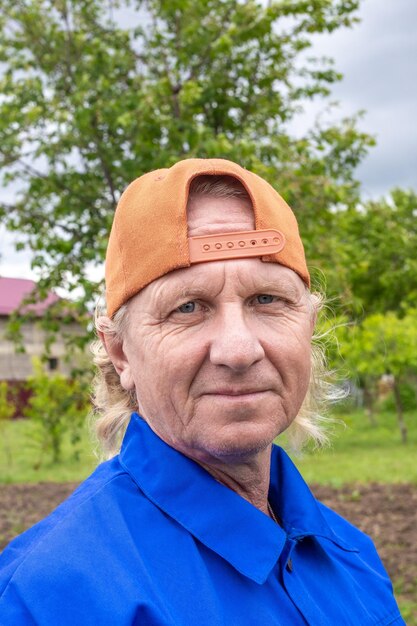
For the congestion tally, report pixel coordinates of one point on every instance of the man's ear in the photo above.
(114, 348)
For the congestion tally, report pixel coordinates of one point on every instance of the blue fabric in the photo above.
(150, 538)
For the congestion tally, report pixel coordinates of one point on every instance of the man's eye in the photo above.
(187, 307)
(264, 298)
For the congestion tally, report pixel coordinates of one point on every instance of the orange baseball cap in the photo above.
(149, 235)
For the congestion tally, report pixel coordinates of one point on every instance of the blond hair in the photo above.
(113, 405)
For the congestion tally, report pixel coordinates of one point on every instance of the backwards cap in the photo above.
(149, 236)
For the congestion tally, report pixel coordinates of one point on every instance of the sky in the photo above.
(378, 59)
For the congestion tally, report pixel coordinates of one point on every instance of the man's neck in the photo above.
(248, 478)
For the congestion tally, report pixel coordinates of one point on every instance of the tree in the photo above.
(377, 260)
(383, 344)
(89, 105)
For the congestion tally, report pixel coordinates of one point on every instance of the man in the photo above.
(200, 519)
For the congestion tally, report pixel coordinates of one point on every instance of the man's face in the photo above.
(219, 353)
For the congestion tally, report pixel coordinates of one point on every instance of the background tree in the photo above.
(89, 105)
(383, 344)
(376, 256)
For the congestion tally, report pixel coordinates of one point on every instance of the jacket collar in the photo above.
(218, 517)
(301, 514)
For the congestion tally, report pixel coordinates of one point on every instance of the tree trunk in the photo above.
(368, 401)
(400, 411)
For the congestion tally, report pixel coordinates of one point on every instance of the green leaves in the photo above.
(378, 241)
(57, 407)
(383, 344)
(7, 408)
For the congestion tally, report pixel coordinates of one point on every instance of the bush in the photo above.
(57, 407)
(6, 406)
(7, 409)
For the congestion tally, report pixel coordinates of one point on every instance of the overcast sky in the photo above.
(378, 58)
(379, 61)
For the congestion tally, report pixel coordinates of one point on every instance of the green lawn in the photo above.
(364, 453)
(359, 453)
(22, 462)
(408, 604)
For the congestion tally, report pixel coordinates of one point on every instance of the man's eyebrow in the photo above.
(177, 292)
(289, 289)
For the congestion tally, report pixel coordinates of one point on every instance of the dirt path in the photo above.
(386, 512)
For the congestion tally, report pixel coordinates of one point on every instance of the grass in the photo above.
(21, 460)
(359, 453)
(363, 453)
(407, 601)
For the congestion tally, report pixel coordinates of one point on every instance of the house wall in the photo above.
(18, 366)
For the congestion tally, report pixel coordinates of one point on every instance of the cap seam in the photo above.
(119, 247)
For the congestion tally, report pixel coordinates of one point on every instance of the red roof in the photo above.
(14, 290)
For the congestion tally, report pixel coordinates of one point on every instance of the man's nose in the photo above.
(235, 342)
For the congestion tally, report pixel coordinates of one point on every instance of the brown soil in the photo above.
(386, 512)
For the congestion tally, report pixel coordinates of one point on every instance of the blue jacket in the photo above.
(150, 538)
